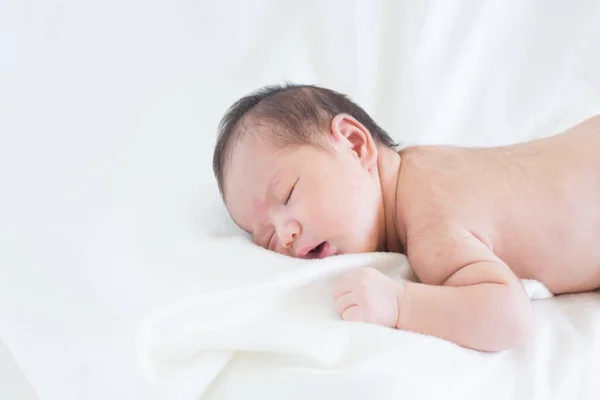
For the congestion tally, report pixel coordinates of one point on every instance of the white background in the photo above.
(108, 113)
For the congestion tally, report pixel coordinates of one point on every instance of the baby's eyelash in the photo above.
(290, 194)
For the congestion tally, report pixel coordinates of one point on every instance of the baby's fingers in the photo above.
(353, 313)
(341, 288)
(345, 301)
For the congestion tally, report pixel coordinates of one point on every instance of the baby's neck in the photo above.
(388, 165)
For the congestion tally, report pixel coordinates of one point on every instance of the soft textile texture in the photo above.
(109, 210)
(287, 326)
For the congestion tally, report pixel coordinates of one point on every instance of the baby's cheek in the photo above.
(340, 215)
(324, 215)
(334, 205)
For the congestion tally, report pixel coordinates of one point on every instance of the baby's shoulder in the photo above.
(435, 196)
(428, 181)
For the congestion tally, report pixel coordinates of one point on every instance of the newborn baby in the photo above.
(309, 174)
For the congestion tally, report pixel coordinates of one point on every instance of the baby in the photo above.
(309, 174)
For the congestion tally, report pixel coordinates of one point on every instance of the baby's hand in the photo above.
(369, 296)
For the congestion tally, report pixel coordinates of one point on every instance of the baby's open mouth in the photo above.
(318, 251)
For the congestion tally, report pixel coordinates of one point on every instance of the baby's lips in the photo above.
(304, 251)
(326, 251)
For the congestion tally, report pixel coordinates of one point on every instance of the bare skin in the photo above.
(471, 221)
(536, 205)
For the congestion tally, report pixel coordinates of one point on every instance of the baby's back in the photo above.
(536, 204)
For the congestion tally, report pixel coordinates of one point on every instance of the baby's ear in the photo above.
(353, 136)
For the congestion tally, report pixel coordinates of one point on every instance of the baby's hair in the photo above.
(293, 114)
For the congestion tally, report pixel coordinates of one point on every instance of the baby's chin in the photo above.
(375, 248)
(369, 247)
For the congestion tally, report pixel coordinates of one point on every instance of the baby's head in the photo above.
(297, 166)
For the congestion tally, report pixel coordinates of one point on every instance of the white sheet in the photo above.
(286, 326)
(108, 206)
(13, 383)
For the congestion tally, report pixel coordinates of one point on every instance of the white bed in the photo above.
(121, 275)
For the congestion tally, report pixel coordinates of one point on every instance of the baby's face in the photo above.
(305, 201)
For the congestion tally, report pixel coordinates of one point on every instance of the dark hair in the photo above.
(293, 113)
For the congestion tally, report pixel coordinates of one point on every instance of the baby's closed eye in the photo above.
(289, 196)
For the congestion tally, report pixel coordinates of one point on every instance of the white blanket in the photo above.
(280, 338)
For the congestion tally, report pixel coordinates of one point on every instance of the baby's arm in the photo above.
(481, 303)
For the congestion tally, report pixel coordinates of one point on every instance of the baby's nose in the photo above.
(288, 240)
(288, 234)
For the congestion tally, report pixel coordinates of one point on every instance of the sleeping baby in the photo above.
(309, 174)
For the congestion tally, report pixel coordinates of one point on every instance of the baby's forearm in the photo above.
(484, 316)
